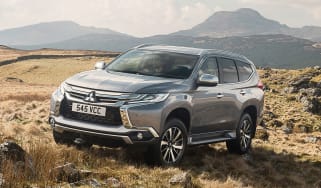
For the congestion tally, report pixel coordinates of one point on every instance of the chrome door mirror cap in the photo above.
(100, 65)
(207, 80)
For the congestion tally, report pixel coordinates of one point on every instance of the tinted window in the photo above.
(209, 67)
(245, 70)
(228, 70)
(155, 63)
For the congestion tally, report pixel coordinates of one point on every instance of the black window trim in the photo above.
(234, 60)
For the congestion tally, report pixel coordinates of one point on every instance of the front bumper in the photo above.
(139, 123)
(83, 129)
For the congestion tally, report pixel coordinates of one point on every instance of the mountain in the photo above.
(49, 32)
(277, 51)
(245, 22)
(245, 31)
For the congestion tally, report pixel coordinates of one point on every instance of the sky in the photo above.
(150, 17)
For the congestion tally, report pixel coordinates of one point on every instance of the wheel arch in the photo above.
(252, 111)
(182, 114)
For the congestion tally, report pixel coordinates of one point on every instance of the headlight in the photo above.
(62, 88)
(150, 98)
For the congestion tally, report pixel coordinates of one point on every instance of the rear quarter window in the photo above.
(245, 70)
(228, 70)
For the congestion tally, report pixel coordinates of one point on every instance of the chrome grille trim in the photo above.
(103, 96)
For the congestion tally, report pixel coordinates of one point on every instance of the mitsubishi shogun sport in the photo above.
(163, 97)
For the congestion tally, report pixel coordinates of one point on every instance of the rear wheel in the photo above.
(171, 146)
(244, 133)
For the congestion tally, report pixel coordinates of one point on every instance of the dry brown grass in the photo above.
(7, 53)
(48, 71)
(284, 160)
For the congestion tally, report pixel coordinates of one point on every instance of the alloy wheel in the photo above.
(245, 134)
(172, 145)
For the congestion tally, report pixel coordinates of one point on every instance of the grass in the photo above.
(210, 166)
(48, 71)
(282, 160)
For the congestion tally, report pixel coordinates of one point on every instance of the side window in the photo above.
(228, 70)
(245, 70)
(210, 67)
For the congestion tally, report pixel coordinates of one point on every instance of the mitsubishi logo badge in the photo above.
(91, 97)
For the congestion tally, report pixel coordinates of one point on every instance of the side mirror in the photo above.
(207, 80)
(100, 65)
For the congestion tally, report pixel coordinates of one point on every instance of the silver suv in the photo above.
(164, 97)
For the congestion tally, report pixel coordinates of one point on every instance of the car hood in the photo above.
(126, 83)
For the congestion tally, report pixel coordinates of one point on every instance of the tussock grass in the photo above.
(210, 166)
(280, 160)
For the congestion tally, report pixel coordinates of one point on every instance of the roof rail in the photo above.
(143, 45)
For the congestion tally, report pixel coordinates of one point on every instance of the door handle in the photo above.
(242, 92)
(220, 95)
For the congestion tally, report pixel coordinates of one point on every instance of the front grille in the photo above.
(112, 114)
(82, 96)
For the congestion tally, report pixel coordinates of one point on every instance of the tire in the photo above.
(61, 138)
(244, 134)
(170, 148)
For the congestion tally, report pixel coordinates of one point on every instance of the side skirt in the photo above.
(212, 137)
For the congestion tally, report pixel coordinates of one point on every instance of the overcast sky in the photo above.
(150, 17)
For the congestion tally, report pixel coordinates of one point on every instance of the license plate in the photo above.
(88, 109)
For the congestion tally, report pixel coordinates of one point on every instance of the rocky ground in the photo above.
(286, 151)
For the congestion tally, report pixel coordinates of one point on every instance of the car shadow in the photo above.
(261, 167)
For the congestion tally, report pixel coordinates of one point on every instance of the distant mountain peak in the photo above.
(248, 11)
(49, 32)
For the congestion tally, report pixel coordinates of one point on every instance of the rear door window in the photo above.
(228, 70)
(245, 70)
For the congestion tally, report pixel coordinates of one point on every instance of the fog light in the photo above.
(52, 122)
(140, 136)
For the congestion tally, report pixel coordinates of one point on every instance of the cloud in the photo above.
(139, 17)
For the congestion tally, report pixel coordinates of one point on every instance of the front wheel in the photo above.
(244, 132)
(61, 138)
(169, 150)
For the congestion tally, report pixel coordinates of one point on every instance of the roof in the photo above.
(193, 51)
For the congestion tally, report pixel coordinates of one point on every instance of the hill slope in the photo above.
(244, 22)
(278, 51)
(48, 33)
(273, 161)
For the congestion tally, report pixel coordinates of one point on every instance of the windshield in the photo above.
(155, 63)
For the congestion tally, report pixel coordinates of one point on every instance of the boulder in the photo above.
(10, 151)
(291, 90)
(300, 82)
(113, 182)
(183, 179)
(312, 105)
(67, 172)
(310, 92)
(311, 139)
(262, 134)
(277, 123)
